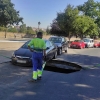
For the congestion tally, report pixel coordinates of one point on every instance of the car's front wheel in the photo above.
(66, 49)
(59, 51)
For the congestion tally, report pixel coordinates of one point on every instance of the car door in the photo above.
(83, 44)
(92, 43)
(48, 50)
(54, 48)
(63, 44)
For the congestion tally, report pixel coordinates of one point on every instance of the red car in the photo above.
(77, 44)
(96, 44)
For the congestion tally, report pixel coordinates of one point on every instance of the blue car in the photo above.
(23, 56)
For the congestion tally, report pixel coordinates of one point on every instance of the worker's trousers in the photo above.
(37, 61)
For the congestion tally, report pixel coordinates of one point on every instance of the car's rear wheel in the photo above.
(55, 55)
(80, 47)
(59, 51)
(66, 49)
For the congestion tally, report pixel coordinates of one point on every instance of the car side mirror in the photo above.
(47, 48)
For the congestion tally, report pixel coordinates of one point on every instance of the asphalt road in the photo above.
(81, 85)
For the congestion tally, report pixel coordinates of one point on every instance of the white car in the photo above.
(88, 42)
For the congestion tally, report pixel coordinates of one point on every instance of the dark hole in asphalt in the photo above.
(62, 66)
(59, 70)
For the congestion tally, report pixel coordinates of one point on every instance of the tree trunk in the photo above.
(69, 36)
(5, 32)
(81, 36)
(69, 39)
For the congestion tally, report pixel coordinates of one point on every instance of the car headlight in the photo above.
(13, 54)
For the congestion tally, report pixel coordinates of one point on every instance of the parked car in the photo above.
(23, 56)
(88, 42)
(96, 44)
(77, 44)
(61, 43)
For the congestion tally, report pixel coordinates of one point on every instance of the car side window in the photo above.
(25, 45)
(63, 40)
(47, 44)
(51, 44)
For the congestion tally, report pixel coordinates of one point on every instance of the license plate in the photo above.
(21, 61)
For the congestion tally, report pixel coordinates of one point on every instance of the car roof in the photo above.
(88, 38)
(43, 39)
(57, 37)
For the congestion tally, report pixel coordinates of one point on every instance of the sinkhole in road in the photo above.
(62, 66)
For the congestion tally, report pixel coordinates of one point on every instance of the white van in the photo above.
(88, 42)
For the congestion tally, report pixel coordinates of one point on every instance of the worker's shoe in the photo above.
(39, 78)
(33, 80)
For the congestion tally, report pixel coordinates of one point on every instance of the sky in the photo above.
(44, 11)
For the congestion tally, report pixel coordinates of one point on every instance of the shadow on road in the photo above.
(83, 85)
(83, 60)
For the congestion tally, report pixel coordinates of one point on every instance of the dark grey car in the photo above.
(23, 56)
(61, 42)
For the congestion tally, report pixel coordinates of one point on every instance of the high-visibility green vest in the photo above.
(38, 44)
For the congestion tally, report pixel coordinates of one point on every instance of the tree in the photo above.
(65, 20)
(23, 28)
(91, 9)
(8, 15)
(30, 30)
(14, 30)
(2, 29)
(55, 30)
(48, 30)
(84, 25)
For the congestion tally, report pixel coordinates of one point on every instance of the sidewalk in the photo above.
(6, 50)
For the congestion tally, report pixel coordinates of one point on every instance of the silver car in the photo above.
(88, 42)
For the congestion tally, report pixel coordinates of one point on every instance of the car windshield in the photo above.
(56, 40)
(77, 41)
(25, 46)
(85, 40)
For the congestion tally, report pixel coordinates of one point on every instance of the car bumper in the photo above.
(21, 62)
(75, 46)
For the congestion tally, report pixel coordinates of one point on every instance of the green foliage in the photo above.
(44, 32)
(91, 9)
(8, 15)
(2, 29)
(48, 30)
(64, 21)
(84, 25)
(23, 28)
(30, 30)
(13, 30)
